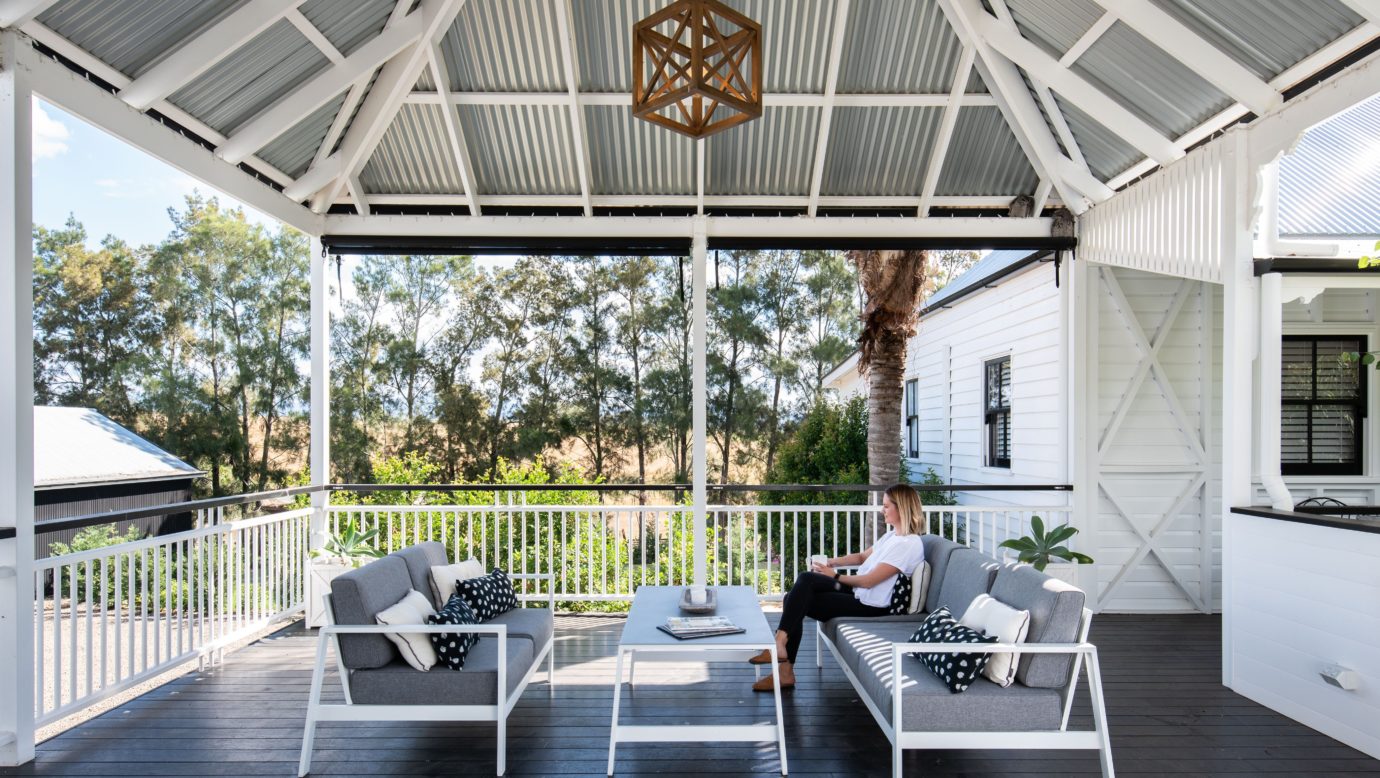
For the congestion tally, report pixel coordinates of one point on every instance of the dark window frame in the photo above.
(1357, 466)
(912, 408)
(992, 415)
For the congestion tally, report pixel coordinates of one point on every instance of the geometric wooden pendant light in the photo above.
(697, 68)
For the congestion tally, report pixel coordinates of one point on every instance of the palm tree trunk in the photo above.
(886, 377)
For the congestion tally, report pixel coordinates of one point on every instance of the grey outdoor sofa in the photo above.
(1032, 713)
(380, 686)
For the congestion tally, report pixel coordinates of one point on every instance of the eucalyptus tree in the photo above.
(359, 339)
(669, 381)
(776, 277)
(735, 404)
(592, 371)
(637, 319)
(830, 309)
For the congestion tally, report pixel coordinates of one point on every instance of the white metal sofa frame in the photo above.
(1094, 739)
(498, 713)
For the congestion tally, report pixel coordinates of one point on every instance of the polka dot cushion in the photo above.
(957, 671)
(900, 595)
(452, 648)
(489, 595)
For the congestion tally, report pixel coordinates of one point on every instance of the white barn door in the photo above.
(1149, 460)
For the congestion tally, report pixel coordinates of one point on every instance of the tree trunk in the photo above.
(886, 377)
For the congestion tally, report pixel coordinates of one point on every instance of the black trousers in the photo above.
(814, 595)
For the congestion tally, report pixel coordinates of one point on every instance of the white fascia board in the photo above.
(1044, 68)
(14, 13)
(1202, 57)
(776, 100)
(663, 226)
(293, 108)
(197, 55)
(690, 201)
(81, 98)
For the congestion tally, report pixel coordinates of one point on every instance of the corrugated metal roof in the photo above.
(879, 151)
(1163, 91)
(620, 146)
(521, 149)
(414, 156)
(505, 46)
(1329, 187)
(1054, 24)
(994, 262)
(132, 35)
(348, 25)
(1105, 152)
(250, 80)
(293, 151)
(773, 155)
(897, 46)
(1267, 36)
(984, 157)
(75, 446)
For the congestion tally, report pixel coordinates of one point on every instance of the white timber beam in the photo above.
(1041, 197)
(385, 99)
(16, 13)
(16, 403)
(565, 29)
(774, 100)
(1022, 115)
(1087, 39)
(699, 333)
(899, 227)
(320, 394)
(1366, 9)
(831, 81)
(1008, 43)
(297, 105)
(454, 132)
(1202, 57)
(358, 196)
(317, 38)
(945, 134)
(81, 98)
(692, 201)
(199, 54)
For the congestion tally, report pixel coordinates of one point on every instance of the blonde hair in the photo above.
(911, 510)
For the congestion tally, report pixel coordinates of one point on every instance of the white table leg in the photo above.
(617, 693)
(780, 722)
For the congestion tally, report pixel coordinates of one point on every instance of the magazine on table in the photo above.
(686, 627)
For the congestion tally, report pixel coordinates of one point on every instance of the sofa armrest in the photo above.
(427, 629)
(550, 589)
(906, 647)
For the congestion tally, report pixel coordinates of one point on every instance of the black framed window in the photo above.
(913, 419)
(1324, 403)
(997, 411)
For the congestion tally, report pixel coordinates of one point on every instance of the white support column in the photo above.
(1269, 372)
(1083, 407)
(699, 279)
(1239, 307)
(16, 405)
(320, 391)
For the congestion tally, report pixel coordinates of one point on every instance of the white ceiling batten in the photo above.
(1207, 60)
(197, 55)
(316, 91)
(946, 132)
(454, 132)
(565, 27)
(831, 81)
(1087, 39)
(313, 34)
(358, 197)
(774, 100)
(16, 13)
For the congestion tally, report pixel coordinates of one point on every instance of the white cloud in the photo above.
(49, 135)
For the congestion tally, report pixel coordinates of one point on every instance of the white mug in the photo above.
(818, 559)
(698, 595)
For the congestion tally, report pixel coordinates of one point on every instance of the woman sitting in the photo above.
(825, 593)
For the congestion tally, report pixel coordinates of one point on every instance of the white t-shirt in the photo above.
(903, 552)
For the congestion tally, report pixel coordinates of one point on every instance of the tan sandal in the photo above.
(765, 684)
(763, 658)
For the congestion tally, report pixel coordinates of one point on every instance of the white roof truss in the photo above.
(197, 55)
(565, 30)
(454, 132)
(311, 33)
(946, 132)
(1087, 39)
(831, 81)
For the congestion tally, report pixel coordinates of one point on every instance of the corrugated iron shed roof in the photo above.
(81, 447)
(1329, 187)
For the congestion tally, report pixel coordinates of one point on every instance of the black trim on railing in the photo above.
(737, 488)
(1357, 525)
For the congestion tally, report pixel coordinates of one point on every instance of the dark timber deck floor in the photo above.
(1169, 716)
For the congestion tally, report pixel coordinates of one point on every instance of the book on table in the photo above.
(688, 627)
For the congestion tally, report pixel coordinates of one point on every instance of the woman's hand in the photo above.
(822, 569)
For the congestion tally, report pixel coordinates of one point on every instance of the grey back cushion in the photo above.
(357, 597)
(937, 551)
(967, 574)
(419, 560)
(1056, 610)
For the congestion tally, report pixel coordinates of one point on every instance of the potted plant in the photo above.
(1046, 552)
(344, 551)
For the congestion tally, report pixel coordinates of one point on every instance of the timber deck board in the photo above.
(1169, 715)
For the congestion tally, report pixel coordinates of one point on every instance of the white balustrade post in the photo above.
(320, 392)
(699, 273)
(16, 405)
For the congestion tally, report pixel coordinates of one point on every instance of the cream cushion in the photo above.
(919, 587)
(996, 619)
(415, 647)
(445, 577)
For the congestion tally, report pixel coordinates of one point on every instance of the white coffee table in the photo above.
(643, 642)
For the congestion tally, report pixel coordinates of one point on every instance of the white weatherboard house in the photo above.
(1181, 376)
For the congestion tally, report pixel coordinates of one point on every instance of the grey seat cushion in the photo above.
(967, 574)
(831, 627)
(357, 597)
(937, 551)
(927, 705)
(535, 624)
(399, 684)
(419, 560)
(1056, 610)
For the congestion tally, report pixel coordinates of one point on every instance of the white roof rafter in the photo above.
(946, 131)
(454, 132)
(826, 116)
(623, 99)
(317, 38)
(1087, 39)
(565, 30)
